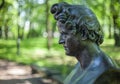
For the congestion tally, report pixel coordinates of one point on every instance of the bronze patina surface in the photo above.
(81, 35)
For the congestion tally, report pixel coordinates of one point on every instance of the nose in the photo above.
(61, 40)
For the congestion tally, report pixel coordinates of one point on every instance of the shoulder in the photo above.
(110, 76)
(108, 62)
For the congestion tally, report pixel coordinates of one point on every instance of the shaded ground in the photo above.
(13, 73)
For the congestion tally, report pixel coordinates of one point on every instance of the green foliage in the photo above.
(118, 22)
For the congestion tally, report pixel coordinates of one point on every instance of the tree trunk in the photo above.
(2, 4)
(53, 28)
(116, 31)
(109, 28)
(0, 31)
(18, 41)
(6, 31)
(18, 31)
(48, 29)
(30, 29)
(117, 39)
(22, 35)
(115, 15)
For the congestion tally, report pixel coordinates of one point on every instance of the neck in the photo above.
(85, 57)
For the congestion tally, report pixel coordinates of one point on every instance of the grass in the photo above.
(34, 51)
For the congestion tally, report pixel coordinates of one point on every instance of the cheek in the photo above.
(73, 43)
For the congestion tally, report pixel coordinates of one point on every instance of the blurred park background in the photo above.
(28, 33)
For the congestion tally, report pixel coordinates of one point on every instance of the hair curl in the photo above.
(81, 18)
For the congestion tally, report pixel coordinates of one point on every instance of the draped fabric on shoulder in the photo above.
(111, 76)
(100, 65)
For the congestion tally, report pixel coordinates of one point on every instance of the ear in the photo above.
(84, 34)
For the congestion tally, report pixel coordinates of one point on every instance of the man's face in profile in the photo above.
(69, 40)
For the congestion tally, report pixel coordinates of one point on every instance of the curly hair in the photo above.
(81, 18)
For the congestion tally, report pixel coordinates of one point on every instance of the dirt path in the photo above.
(13, 73)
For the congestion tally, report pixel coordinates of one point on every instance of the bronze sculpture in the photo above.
(81, 35)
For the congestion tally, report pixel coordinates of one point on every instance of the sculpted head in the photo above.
(76, 21)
